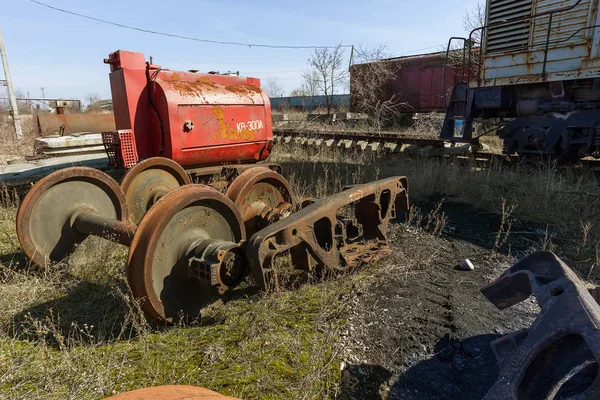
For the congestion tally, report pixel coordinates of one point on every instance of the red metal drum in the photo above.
(192, 118)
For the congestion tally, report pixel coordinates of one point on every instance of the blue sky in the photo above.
(64, 53)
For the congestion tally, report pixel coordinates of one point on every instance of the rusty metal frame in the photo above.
(564, 340)
(318, 238)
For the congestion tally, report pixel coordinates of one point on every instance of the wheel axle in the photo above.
(221, 264)
(191, 242)
(87, 222)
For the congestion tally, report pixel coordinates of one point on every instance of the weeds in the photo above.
(73, 330)
(505, 225)
(433, 223)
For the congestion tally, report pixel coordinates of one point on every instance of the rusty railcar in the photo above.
(538, 74)
(418, 84)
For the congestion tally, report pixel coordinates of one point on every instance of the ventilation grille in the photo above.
(120, 148)
(113, 150)
(128, 149)
(509, 36)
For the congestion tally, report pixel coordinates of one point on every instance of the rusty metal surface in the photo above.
(190, 248)
(194, 119)
(172, 392)
(90, 223)
(263, 196)
(418, 84)
(557, 357)
(227, 172)
(149, 180)
(542, 41)
(319, 239)
(67, 124)
(219, 263)
(165, 239)
(44, 216)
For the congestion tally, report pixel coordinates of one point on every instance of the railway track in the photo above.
(390, 143)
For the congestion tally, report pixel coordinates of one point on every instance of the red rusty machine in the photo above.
(208, 123)
(193, 243)
(191, 118)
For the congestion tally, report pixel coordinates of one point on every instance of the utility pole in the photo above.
(11, 92)
(42, 89)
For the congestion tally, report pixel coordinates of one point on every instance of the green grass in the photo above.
(73, 331)
(282, 346)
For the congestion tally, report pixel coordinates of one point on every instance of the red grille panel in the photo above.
(112, 147)
(120, 148)
(128, 150)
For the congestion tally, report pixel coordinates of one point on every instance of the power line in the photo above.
(414, 51)
(270, 46)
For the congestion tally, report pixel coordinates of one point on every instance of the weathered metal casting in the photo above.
(55, 215)
(318, 238)
(190, 246)
(148, 181)
(539, 362)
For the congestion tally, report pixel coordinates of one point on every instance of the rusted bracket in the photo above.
(319, 237)
(556, 358)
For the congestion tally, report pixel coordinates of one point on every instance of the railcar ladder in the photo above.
(458, 122)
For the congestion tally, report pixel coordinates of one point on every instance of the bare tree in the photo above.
(310, 86)
(92, 100)
(273, 88)
(328, 73)
(301, 91)
(473, 19)
(370, 93)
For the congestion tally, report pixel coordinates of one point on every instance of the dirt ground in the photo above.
(418, 326)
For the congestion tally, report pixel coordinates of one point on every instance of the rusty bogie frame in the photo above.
(319, 238)
(188, 241)
(557, 357)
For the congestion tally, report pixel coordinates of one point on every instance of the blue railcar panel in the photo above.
(573, 45)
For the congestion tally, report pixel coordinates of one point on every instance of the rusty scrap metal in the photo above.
(557, 357)
(163, 270)
(263, 196)
(148, 181)
(67, 124)
(171, 392)
(49, 212)
(318, 238)
(190, 247)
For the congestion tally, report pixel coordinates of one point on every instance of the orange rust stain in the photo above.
(204, 79)
(227, 132)
(242, 89)
(175, 77)
(192, 88)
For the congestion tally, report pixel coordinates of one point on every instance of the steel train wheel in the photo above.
(166, 237)
(262, 196)
(149, 180)
(45, 215)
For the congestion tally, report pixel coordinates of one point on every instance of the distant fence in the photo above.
(308, 103)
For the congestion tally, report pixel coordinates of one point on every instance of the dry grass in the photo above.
(555, 199)
(73, 331)
(12, 149)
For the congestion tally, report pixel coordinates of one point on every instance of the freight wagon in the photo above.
(418, 83)
(537, 76)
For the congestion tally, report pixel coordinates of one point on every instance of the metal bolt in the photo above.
(188, 126)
